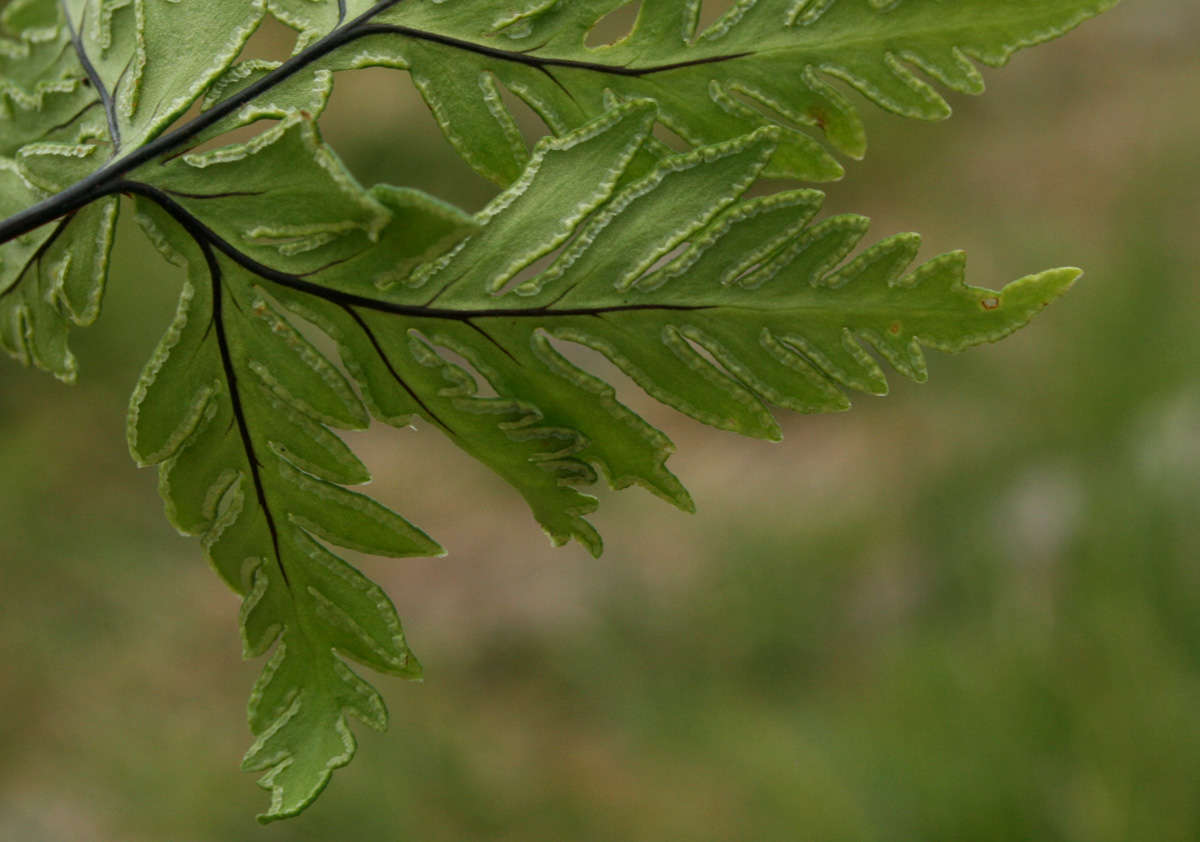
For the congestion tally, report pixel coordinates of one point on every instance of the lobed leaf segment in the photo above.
(717, 302)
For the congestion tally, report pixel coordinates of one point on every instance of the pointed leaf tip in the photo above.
(1039, 289)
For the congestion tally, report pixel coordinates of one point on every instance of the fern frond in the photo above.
(718, 305)
(236, 408)
(763, 63)
(716, 302)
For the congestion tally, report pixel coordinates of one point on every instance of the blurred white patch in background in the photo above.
(1166, 443)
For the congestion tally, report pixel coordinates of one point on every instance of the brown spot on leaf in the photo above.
(990, 303)
(894, 328)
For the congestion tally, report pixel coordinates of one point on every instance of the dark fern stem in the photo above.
(205, 235)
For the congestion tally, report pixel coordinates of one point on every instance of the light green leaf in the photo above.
(238, 408)
(718, 305)
(763, 63)
(717, 302)
(135, 47)
(51, 278)
(90, 80)
(82, 82)
(234, 407)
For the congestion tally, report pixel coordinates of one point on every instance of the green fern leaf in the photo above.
(762, 63)
(83, 84)
(236, 408)
(716, 302)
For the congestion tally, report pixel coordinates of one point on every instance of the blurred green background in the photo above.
(970, 611)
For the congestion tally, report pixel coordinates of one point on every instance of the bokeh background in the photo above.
(969, 611)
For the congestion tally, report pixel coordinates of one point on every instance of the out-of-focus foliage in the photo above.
(995, 637)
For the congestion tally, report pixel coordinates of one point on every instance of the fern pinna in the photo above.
(715, 302)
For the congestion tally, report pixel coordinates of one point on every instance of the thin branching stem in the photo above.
(209, 238)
